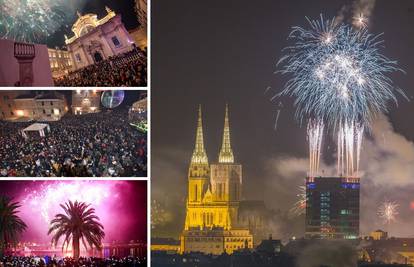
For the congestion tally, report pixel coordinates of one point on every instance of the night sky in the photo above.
(124, 7)
(124, 200)
(217, 52)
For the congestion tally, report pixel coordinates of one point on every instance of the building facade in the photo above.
(332, 207)
(60, 62)
(32, 106)
(96, 39)
(169, 245)
(388, 249)
(214, 194)
(7, 106)
(132, 249)
(85, 101)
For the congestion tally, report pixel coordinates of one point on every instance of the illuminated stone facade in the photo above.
(60, 62)
(28, 106)
(121, 250)
(85, 101)
(139, 35)
(96, 39)
(214, 194)
(7, 106)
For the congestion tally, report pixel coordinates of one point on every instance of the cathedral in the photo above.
(212, 223)
(96, 39)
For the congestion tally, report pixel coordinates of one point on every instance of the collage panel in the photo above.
(73, 223)
(79, 43)
(294, 144)
(73, 133)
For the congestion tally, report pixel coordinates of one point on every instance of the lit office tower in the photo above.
(332, 207)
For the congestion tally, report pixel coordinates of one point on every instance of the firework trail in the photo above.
(339, 79)
(349, 144)
(388, 212)
(280, 106)
(299, 207)
(315, 133)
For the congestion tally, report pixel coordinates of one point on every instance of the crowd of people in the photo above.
(128, 69)
(13, 261)
(92, 145)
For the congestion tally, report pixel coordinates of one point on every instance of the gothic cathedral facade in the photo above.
(214, 194)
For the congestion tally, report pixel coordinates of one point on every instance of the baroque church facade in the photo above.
(212, 223)
(96, 39)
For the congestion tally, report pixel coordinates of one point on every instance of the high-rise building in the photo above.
(214, 194)
(332, 207)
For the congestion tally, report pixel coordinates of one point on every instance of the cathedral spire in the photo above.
(199, 153)
(226, 154)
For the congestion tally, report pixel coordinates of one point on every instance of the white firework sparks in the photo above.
(339, 78)
(388, 211)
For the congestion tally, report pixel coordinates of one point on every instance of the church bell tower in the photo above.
(226, 175)
(198, 173)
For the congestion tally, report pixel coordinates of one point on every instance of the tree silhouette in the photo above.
(11, 225)
(79, 223)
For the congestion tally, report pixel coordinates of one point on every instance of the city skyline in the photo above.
(235, 71)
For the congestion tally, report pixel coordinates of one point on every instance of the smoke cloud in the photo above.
(387, 164)
(328, 253)
(387, 161)
(357, 8)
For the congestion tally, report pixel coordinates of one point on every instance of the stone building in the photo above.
(214, 195)
(7, 106)
(134, 248)
(96, 39)
(32, 106)
(60, 62)
(139, 35)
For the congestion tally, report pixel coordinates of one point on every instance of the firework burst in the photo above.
(157, 214)
(49, 195)
(360, 21)
(339, 79)
(388, 212)
(30, 20)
